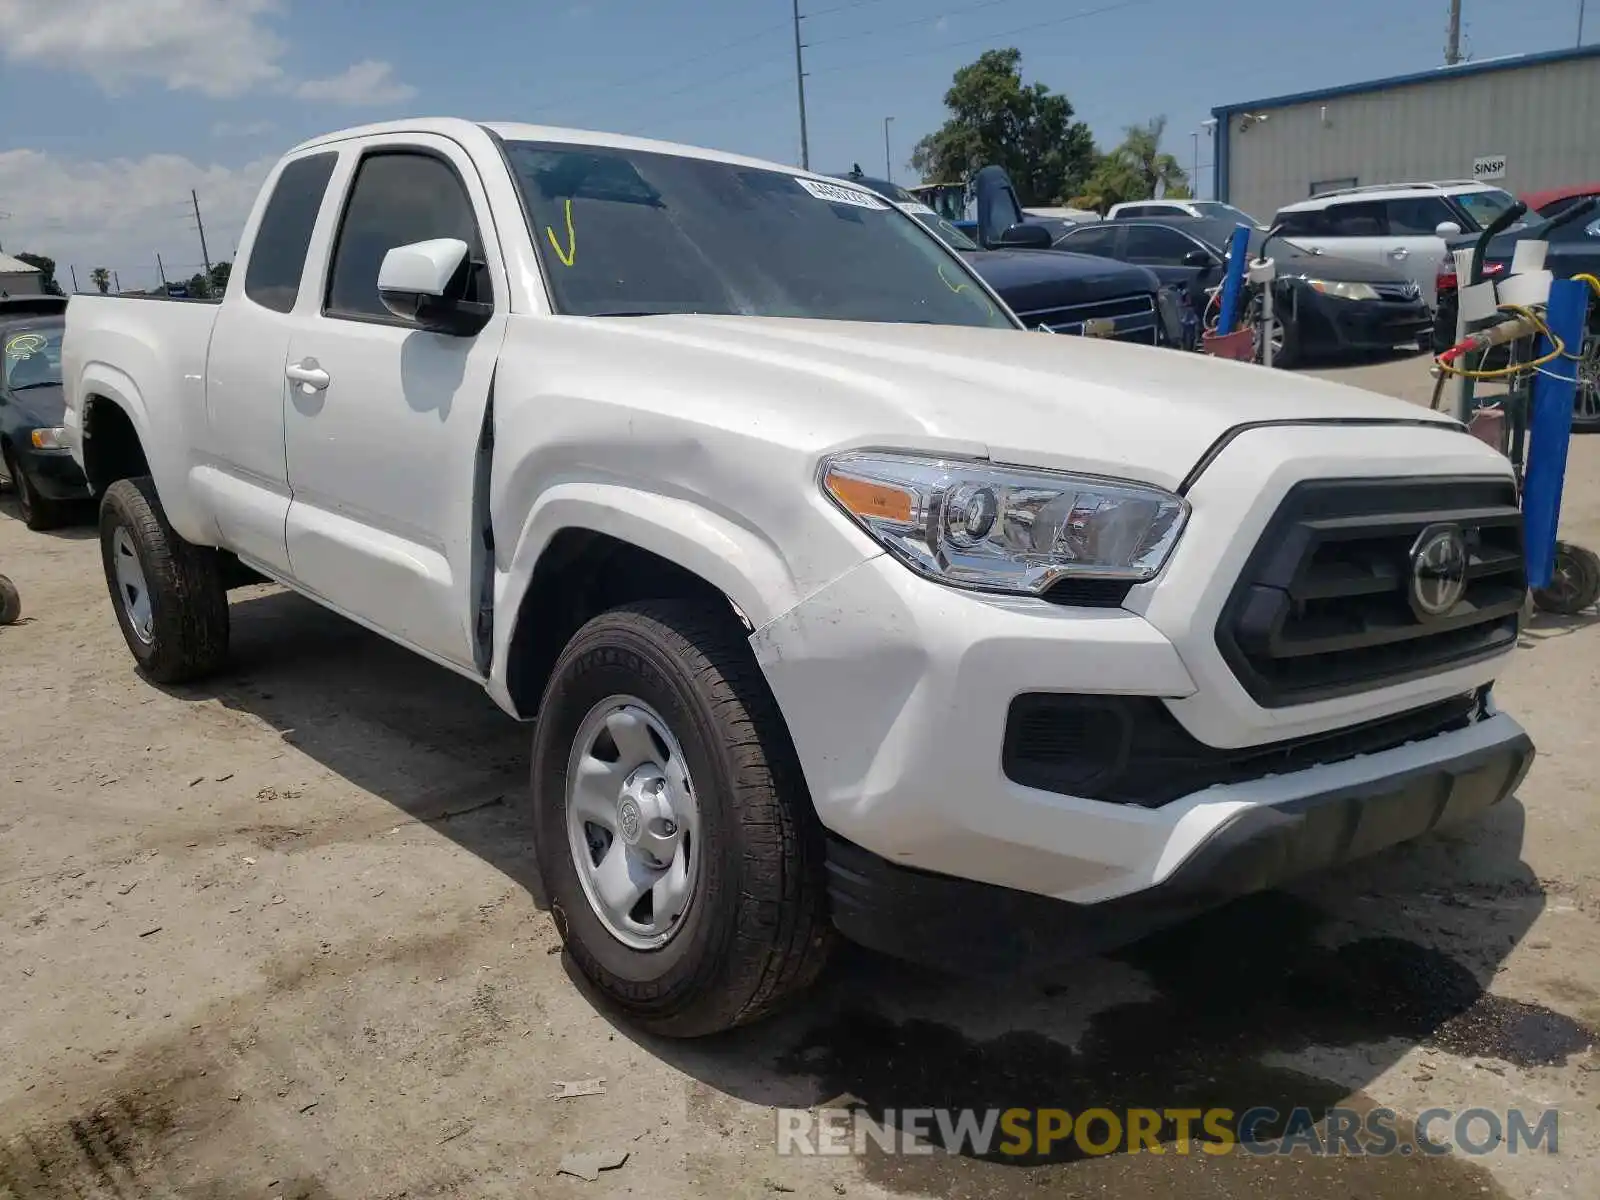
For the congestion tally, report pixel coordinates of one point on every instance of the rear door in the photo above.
(1415, 245)
(383, 443)
(245, 473)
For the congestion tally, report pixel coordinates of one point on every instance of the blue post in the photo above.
(1233, 281)
(1550, 429)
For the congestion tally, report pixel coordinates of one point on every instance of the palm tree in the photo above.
(1159, 174)
(101, 278)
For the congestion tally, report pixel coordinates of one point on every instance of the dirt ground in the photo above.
(273, 936)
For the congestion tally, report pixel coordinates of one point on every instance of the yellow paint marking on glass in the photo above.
(570, 254)
(957, 288)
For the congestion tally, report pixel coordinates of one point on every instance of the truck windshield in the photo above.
(634, 233)
(32, 357)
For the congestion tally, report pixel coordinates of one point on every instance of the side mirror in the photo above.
(426, 282)
(1197, 258)
(1027, 236)
(1447, 229)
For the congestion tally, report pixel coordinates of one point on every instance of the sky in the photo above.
(116, 109)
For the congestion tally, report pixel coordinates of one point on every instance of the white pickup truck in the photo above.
(837, 600)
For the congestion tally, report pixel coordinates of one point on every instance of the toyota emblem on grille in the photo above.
(1438, 570)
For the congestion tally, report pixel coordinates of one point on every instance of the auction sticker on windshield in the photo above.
(916, 209)
(840, 195)
(25, 345)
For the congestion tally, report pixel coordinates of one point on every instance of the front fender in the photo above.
(736, 560)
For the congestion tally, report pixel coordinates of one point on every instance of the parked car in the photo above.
(34, 457)
(1554, 201)
(838, 598)
(1574, 250)
(1322, 304)
(1212, 209)
(1403, 225)
(1058, 293)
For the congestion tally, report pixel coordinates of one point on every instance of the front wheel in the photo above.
(39, 513)
(167, 593)
(672, 826)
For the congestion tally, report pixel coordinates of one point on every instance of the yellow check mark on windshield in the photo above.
(570, 254)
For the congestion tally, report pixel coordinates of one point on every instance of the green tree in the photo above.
(199, 286)
(101, 278)
(996, 119)
(219, 276)
(47, 272)
(1135, 170)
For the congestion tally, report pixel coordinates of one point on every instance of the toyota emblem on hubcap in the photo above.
(628, 819)
(1438, 570)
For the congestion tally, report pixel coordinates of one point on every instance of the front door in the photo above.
(384, 421)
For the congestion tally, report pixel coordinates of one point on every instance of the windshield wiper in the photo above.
(22, 387)
(641, 313)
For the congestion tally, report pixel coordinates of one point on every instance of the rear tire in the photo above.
(167, 593)
(754, 928)
(10, 602)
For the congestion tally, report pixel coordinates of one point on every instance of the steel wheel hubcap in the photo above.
(633, 823)
(131, 587)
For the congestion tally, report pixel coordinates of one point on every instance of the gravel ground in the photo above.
(274, 936)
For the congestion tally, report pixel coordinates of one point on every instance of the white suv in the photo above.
(1402, 224)
(1210, 209)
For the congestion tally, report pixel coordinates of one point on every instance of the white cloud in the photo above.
(365, 82)
(120, 214)
(218, 47)
(222, 48)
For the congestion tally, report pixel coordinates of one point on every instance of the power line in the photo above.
(993, 37)
(823, 12)
(898, 25)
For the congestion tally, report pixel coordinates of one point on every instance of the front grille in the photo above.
(1324, 606)
(1397, 291)
(1132, 750)
(1133, 318)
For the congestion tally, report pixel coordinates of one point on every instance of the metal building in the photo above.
(1523, 122)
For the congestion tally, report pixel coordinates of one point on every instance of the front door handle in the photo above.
(308, 373)
(1400, 252)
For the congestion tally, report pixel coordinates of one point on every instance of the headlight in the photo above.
(1006, 529)
(1345, 291)
(50, 439)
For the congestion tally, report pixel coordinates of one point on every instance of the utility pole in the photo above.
(1580, 21)
(74, 271)
(1194, 180)
(800, 83)
(200, 225)
(888, 166)
(161, 270)
(1452, 38)
(116, 282)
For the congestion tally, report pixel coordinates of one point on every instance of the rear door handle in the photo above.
(308, 373)
(1399, 252)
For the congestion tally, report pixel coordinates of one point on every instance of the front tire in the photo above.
(687, 885)
(39, 513)
(167, 593)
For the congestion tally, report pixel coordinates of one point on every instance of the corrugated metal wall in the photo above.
(1545, 119)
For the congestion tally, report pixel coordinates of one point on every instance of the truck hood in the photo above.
(1024, 398)
(1032, 280)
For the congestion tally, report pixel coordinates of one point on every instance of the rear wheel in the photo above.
(673, 831)
(167, 593)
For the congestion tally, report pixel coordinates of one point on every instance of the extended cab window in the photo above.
(278, 257)
(624, 232)
(399, 197)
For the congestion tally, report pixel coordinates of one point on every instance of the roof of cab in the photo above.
(458, 128)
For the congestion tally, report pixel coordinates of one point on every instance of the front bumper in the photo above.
(1364, 324)
(956, 923)
(53, 473)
